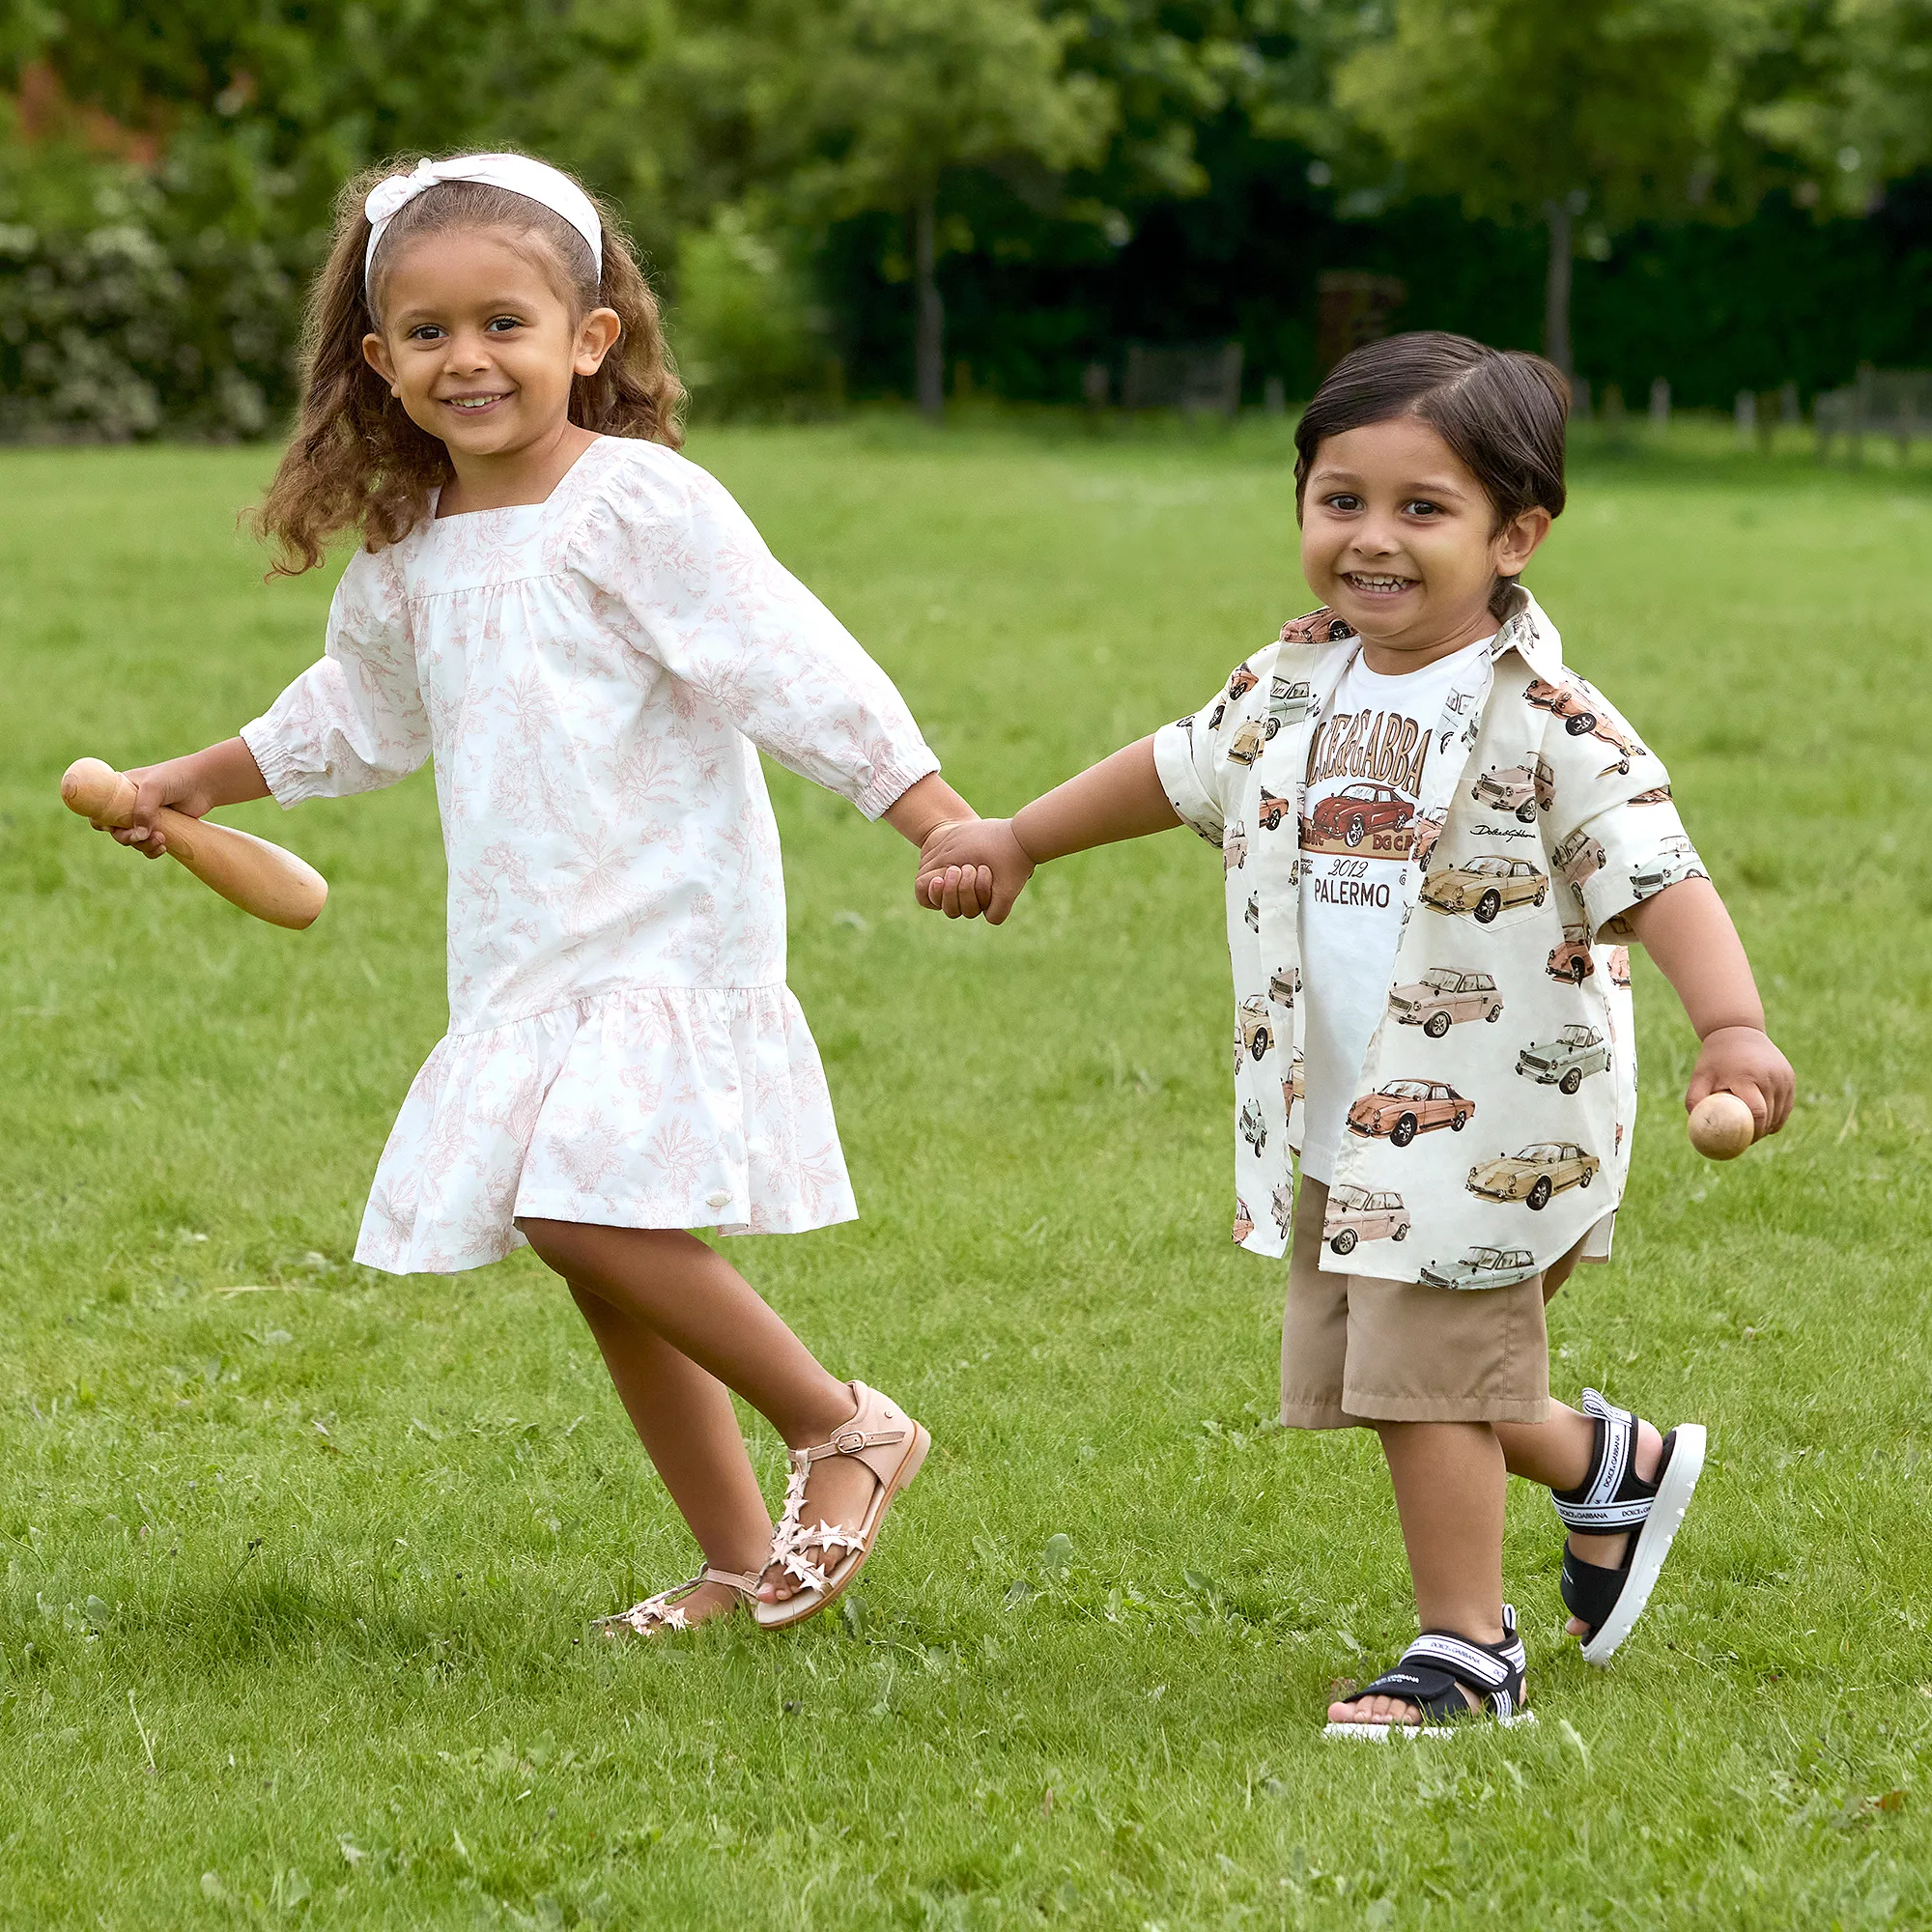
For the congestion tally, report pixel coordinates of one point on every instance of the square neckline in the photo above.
(559, 491)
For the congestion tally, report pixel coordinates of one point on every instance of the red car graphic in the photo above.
(1351, 814)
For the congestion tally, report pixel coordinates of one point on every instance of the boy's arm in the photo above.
(1687, 931)
(982, 865)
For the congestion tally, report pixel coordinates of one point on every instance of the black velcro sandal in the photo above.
(1613, 1500)
(1431, 1675)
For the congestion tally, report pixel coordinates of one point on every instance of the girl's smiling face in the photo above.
(1400, 538)
(479, 346)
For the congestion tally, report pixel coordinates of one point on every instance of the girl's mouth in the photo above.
(473, 406)
(1376, 583)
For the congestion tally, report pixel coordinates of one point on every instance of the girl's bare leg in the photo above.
(695, 1300)
(684, 1418)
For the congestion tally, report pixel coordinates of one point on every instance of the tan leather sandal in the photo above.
(665, 1612)
(892, 1446)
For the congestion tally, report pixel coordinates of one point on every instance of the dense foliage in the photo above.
(898, 197)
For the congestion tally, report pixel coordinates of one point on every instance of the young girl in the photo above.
(588, 636)
(1429, 828)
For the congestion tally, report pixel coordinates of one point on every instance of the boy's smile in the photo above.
(1399, 538)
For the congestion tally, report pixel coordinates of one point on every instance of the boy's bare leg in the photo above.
(685, 1420)
(1556, 1454)
(692, 1297)
(1449, 1482)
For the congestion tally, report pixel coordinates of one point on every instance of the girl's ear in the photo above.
(376, 352)
(596, 336)
(1518, 541)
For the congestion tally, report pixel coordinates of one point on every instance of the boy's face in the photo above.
(478, 345)
(1400, 538)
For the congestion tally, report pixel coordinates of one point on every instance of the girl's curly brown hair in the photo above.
(357, 461)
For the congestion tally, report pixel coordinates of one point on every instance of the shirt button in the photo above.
(719, 1199)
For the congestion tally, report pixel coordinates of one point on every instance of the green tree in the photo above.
(1561, 112)
(869, 104)
(1855, 100)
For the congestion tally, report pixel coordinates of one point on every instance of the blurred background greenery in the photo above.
(927, 199)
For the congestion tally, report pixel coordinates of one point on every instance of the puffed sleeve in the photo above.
(354, 720)
(1191, 755)
(672, 561)
(1616, 839)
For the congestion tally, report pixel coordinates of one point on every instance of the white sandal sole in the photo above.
(1653, 1542)
(1378, 1734)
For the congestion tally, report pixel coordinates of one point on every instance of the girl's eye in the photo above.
(425, 331)
(503, 322)
(1422, 507)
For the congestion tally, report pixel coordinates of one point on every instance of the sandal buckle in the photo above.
(850, 1441)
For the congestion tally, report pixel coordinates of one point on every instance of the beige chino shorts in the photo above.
(1356, 1350)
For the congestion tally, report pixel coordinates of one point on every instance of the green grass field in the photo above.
(298, 1558)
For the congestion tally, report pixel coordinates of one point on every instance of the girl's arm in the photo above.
(225, 774)
(984, 866)
(1687, 931)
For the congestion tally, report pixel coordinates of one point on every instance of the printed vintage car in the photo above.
(1425, 832)
(1484, 886)
(1444, 995)
(1360, 1214)
(1244, 1222)
(1257, 1026)
(1254, 1129)
(1620, 965)
(1568, 702)
(1245, 747)
(1533, 1174)
(1656, 795)
(1524, 789)
(1402, 1109)
(1481, 1268)
(1293, 1087)
(1571, 961)
(1580, 856)
(1283, 983)
(1676, 861)
(1354, 812)
(1234, 847)
(1273, 811)
(1289, 701)
(1564, 1061)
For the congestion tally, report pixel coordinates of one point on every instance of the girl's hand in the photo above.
(971, 867)
(225, 774)
(1742, 1060)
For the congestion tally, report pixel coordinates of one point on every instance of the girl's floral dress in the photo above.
(594, 677)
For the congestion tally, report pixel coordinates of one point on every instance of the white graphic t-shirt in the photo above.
(1365, 764)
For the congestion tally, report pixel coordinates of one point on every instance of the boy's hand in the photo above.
(971, 867)
(1742, 1060)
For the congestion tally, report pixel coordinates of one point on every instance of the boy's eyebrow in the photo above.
(1424, 487)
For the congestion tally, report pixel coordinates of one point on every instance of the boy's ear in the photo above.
(1520, 540)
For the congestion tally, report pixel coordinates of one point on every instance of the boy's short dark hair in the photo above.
(1501, 411)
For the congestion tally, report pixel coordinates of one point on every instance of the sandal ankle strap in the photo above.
(1612, 1497)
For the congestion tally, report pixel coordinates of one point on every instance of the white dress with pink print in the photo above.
(592, 676)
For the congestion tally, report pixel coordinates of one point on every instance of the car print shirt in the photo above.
(1497, 1095)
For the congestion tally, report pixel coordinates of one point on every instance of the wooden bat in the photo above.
(249, 873)
(1721, 1127)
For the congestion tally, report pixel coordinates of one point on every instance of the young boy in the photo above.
(1433, 833)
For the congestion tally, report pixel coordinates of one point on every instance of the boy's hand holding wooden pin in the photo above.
(261, 878)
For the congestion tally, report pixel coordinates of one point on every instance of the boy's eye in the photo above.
(500, 323)
(1343, 501)
(1421, 507)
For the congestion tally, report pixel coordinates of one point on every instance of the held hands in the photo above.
(1742, 1060)
(972, 867)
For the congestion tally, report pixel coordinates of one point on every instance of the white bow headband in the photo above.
(537, 181)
